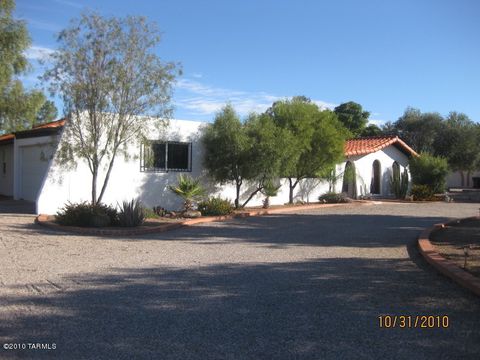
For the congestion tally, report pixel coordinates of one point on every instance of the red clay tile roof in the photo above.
(368, 145)
(53, 124)
(6, 137)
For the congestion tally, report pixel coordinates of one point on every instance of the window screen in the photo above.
(166, 156)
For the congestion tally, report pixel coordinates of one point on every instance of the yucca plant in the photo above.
(131, 213)
(269, 189)
(189, 189)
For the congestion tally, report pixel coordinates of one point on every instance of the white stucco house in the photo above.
(30, 169)
(464, 180)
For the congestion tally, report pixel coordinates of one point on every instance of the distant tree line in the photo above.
(454, 137)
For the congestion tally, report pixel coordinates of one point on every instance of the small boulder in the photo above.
(191, 214)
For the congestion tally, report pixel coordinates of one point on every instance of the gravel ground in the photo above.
(307, 285)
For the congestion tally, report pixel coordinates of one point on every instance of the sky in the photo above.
(385, 55)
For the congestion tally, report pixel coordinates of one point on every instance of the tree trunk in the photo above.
(468, 178)
(237, 199)
(292, 186)
(107, 177)
(462, 175)
(94, 187)
(251, 196)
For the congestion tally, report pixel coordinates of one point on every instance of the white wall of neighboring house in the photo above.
(454, 179)
(6, 170)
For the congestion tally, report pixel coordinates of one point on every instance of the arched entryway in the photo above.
(376, 178)
(349, 186)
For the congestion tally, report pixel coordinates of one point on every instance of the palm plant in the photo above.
(189, 189)
(269, 189)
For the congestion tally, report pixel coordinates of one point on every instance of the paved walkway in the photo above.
(291, 286)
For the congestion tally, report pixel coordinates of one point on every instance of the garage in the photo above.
(34, 166)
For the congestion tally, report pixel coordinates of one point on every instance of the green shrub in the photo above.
(215, 206)
(159, 211)
(333, 198)
(87, 215)
(422, 193)
(131, 213)
(150, 213)
(429, 170)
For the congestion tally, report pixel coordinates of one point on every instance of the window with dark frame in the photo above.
(165, 156)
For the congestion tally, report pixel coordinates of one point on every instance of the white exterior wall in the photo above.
(364, 169)
(6, 179)
(454, 179)
(128, 182)
(307, 190)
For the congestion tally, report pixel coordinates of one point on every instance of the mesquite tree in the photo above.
(240, 152)
(109, 75)
(316, 142)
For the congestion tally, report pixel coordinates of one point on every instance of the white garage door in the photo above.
(34, 167)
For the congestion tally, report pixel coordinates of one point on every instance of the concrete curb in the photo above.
(44, 220)
(444, 266)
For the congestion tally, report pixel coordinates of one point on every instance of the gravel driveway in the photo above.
(291, 286)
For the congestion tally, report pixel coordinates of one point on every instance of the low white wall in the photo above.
(307, 190)
(6, 179)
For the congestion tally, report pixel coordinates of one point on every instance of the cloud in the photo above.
(377, 122)
(38, 52)
(197, 75)
(201, 99)
(325, 105)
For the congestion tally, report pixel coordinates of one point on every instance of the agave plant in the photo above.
(189, 189)
(131, 213)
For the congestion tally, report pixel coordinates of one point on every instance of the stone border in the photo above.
(44, 220)
(444, 266)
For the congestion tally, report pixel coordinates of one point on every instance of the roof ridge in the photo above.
(371, 144)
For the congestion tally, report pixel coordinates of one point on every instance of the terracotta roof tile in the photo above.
(53, 124)
(368, 145)
(6, 137)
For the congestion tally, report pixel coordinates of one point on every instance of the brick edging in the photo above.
(43, 220)
(445, 266)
